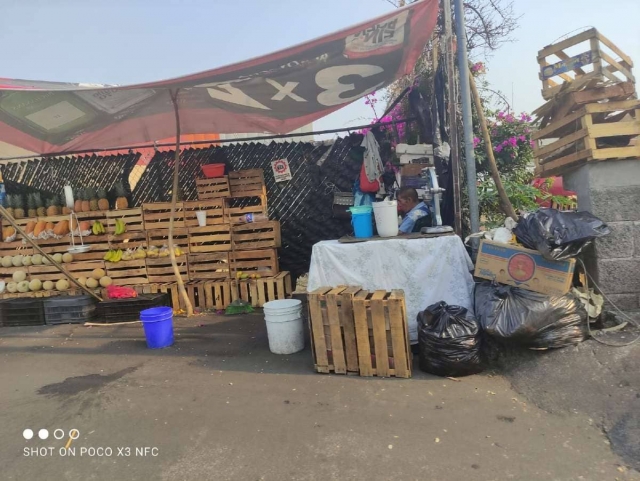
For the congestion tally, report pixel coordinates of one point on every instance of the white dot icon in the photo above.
(27, 433)
(43, 434)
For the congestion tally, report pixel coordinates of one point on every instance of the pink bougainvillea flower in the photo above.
(476, 142)
(498, 148)
(500, 115)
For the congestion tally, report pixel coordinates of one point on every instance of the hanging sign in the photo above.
(281, 170)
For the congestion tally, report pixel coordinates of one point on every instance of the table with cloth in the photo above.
(428, 270)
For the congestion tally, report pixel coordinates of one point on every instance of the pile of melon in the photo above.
(97, 278)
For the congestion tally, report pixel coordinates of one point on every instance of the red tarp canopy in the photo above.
(275, 93)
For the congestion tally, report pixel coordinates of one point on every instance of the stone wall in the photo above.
(611, 191)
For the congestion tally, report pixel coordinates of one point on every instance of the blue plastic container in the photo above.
(362, 221)
(158, 326)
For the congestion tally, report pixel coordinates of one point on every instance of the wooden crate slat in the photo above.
(319, 347)
(15, 248)
(214, 188)
(211, 238)
(209, 266)
(263, 262)
(348, 328)
(160, 238)
(157, 215)
(128, 272)
(362, 334)
(128, 240)
(214, 209)
(258, 292)
(160, 269)
(339, 363)
(259, 235)
(236, 207)
(131, 217)
(245, 183)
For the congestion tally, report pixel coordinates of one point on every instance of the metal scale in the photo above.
(73, 247)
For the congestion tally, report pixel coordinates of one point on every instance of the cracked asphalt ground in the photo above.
(218, 405)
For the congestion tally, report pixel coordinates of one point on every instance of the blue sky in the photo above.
(130, 41)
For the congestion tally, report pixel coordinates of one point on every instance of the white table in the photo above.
(428, 270)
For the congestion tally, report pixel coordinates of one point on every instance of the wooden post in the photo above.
(35, 245)
(505, 203)
(174, 197)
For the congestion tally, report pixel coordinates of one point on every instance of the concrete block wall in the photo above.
(611, 191)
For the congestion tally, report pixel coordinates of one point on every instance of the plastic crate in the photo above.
(69, 310)
(22, 312)
(126, 310)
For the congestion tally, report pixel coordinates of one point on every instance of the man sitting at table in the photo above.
(415, 212)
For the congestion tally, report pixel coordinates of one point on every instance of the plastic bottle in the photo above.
(249, 218)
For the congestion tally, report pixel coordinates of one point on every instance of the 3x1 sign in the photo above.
(281, 170)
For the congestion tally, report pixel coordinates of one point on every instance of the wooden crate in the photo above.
(15, 248)
(6, 273)
(160, 237)
(203, 295)
(236, 207)
(213, 207)
(125, 273)
(258, 292)
(209, 266)
(131, 217)
(246, 183)
(128, 240)
(582, 137)
(582, 61)
(160, 270)
(216, 188)
(211, 238)
(353, 330)
(259, 235)
(263, 262)
(99, 246)
(78, 269)
(156, 216)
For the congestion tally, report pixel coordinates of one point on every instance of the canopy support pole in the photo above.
(35, 245)
(174, 198)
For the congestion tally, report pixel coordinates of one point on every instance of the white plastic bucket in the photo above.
(201, 215)
(285, 328)
(386, 213)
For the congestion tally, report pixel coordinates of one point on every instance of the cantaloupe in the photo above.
(19, 276)
(12, 287)
(7, 261)
(23, 286)
(57, 258)
(67, 257)
(82, 280)
(16, 261)
(98, 274)
(39, 228)
(47, 285)
(26, 261)
(105, 281)
(45, 261)
(92, 283)
(62, 285)
(36, 259)
(35, 285)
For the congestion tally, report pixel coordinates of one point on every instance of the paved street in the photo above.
(218, 405)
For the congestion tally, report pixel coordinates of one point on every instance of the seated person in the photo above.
(416, 213)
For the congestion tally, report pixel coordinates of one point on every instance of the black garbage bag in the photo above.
(559, 235)
(450, 341)
(528, 318)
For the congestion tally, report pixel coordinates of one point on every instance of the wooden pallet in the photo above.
(353, 330)
(213, 207)
(577, 138)
(126, 273)
(247, 183)
(582, 61)
(160, 270)
(211, 238)
(215, 188)
(209, 266)
(160, 237)
(258, 292)
(128, 240)
(237, 207)
(156, 216)
(131, 217)
(259, 235)
(203, 295)
(263, 262)
(78, 269)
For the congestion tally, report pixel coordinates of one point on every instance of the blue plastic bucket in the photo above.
(362, 221)
(158, 326)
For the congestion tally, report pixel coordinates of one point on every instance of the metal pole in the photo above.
(465, 94)
(453, 116)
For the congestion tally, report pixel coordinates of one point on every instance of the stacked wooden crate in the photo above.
(592, 112)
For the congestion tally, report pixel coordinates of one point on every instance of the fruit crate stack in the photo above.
(592, 112)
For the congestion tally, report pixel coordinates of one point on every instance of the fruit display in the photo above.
(121, 227)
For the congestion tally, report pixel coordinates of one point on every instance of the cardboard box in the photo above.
(520, 267)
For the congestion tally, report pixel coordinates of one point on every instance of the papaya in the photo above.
(85, 226)
(49, 227)
(30, 227)
(61, 228)
(39, 228)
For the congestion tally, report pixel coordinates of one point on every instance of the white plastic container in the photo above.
(386, 214)
(201, 215)
(285, 328)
